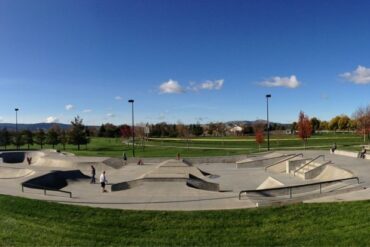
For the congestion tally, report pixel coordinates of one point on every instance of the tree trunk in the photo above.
(28, 146)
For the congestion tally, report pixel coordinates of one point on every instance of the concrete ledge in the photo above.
(350, 154)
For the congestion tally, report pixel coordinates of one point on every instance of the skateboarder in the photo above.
(103, 181)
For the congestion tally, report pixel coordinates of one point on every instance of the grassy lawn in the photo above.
(209, 146)
(26, 222)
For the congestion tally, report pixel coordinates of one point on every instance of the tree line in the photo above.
(77, 135)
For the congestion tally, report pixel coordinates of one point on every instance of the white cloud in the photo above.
(69, 107)
(361, 75)
(51, 119)
(212, 85)
(170, 86)
(207, 85)
(87, 111)
(1, 119)
(289, 82)
(111, 115)
(118, 98)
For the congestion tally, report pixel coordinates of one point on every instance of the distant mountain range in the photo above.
(246, 122)
(46, 126)
(32, 127)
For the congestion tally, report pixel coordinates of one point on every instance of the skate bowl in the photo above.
(55, 180)
(15, 157)
(172, 171)
(10, 173)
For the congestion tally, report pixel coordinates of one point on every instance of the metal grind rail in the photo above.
(289, 158)
(323, 156)
(289, 189)
(33, 186)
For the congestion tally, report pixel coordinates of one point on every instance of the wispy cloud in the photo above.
(118, 98)
(87, 111)
(171, 86)
(69, 107)
(51, 119)
(111, 115)
(207, 85)
(361, 75)
(1, 119)
(277, 81)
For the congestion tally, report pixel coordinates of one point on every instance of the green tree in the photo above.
(5, 138)
(40, 137)
(18, 140)
(196, 129)
(315, 123)
(28, 138)
(52, 136)
(77, 134)
(63, 138)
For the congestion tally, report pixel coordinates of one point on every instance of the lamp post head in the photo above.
(16, 109)
(130, 101)
(268, 95)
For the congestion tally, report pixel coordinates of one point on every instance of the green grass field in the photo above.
(26, 222)
(209, 146)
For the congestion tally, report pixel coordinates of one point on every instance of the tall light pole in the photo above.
(133, 126)
(16, 125)
(268, 123)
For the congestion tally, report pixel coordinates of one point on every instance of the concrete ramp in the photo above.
(55, 180)
(331, 172)
(269, 183)
(262, 161)
(199, 183)
(8, 173)
(171, 171)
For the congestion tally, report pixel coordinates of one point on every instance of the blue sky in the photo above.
(183, 61)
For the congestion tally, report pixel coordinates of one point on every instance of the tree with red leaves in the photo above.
(304, 127)
(126, 132)
(259, 135)
(362, 116)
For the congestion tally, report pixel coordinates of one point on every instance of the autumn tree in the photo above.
(304, 127)
(324, 125)
(344, 122)
(258, 128)
(183, 132)
(125, 132)
(362, 116)
(334, 123)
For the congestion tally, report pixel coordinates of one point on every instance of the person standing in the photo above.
(124, 158)
(92, 175)
(103, 181)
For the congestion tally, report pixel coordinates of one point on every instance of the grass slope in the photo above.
(39, 223)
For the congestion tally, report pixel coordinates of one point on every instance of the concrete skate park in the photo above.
(207, 183)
